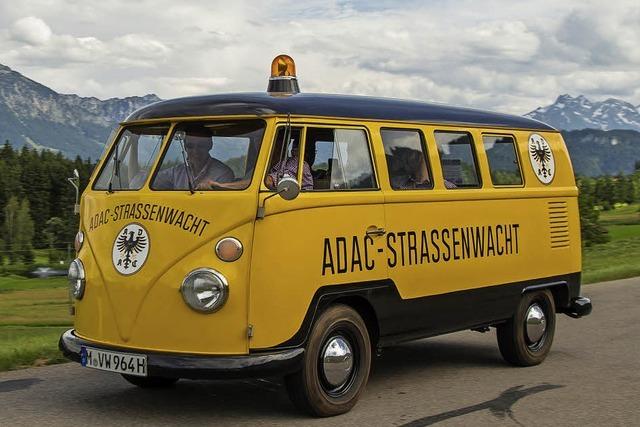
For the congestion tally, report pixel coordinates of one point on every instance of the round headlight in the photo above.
(229, 249)
(76, 278)
(78, 241)
(205, 290)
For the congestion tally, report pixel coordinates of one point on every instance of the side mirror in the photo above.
(288, 188)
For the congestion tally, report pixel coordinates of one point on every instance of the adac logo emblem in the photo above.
(541, 158)
(131, 248)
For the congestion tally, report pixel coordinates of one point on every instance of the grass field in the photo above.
(620, 257)
(33, 314)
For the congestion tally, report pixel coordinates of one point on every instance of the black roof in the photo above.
(348, 106)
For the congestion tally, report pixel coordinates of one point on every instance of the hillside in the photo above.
(598, 152)
(32, 114)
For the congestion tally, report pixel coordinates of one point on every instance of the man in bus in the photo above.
(204, 167)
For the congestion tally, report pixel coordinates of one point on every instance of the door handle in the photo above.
(376, 231)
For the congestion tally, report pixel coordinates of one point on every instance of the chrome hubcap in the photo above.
(536, 323)
(337, 361)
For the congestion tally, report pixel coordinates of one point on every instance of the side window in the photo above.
(503, 161)
(458, 159)
(284, 160)
(339, 159)
(406, 159)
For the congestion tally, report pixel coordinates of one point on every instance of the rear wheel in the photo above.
(525, 340)
(150, 382)
(336, 364)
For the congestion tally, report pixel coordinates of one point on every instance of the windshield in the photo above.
(210, 156)
(130, 161)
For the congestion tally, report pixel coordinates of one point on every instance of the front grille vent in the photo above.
(558, 224)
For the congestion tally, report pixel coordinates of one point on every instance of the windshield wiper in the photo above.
(186, 165)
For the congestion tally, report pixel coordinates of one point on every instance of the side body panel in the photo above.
(489, 244)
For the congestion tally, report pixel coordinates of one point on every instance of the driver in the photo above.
(204, 167)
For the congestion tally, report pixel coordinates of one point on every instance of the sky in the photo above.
(504, 55)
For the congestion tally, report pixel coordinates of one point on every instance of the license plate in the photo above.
(124, 363)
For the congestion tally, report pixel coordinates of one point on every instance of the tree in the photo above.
(18, 231)
(24, 233)
(2, 253)
(54, 232)
(9, 229)
(591, 230)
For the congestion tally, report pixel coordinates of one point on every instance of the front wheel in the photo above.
(336, 364)
(150, 382)
(525, 340)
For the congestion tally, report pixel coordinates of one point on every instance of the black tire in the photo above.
(513, 340)
(150, 382)
(311, 389)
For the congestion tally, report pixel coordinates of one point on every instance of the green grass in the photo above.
(619, 232)
(617, 259)
(19, 283)
(24, 346)
(620, 257)
(622, 215)
(33, 314)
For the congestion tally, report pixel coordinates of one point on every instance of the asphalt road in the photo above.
(591, 378)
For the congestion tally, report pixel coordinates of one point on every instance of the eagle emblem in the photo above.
(130, 249)
(541, 158)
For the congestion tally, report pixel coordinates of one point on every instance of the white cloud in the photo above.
(31, 30)
(498, 54)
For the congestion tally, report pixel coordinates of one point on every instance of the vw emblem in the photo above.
(130, 249)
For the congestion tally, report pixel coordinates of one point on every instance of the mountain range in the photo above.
(32, 114)
(602, 137)
(569, 113)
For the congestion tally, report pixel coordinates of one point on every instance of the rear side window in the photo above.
(458, 160)
(339, 159)
(503, 160)
(406, 159)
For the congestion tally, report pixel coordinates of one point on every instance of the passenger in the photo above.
(290, 168)
(408, 169)
(204, 168)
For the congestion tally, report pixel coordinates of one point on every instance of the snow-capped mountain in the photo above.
(569, 113)
(32, 114)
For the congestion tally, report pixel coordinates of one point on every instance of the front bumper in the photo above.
(197, 366)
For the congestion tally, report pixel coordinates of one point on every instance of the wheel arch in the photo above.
(559, 290)
(360, 296)
(364, 308)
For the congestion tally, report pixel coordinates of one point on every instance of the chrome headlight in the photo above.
(205, 290)
(77, 278)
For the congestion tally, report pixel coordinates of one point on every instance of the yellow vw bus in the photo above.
(294, 234)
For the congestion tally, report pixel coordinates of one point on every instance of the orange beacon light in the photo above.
(283, 78)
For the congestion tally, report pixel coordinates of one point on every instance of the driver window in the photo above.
(285, 160)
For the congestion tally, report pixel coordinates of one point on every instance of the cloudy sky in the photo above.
(505, 55)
